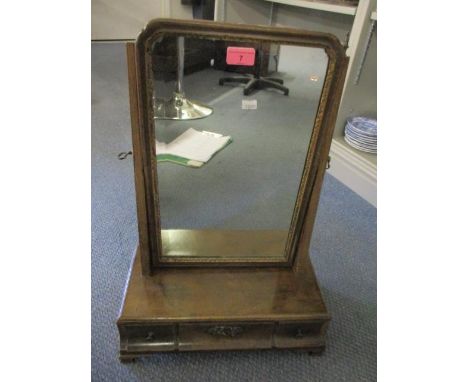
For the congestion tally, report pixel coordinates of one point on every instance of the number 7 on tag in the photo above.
(237, 55)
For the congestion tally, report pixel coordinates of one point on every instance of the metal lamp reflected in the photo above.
(179, 107)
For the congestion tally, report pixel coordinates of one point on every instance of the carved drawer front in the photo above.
(300, 334)
(225, 336)
(147, 338)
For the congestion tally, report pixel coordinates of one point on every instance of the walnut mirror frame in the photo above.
(143, 136)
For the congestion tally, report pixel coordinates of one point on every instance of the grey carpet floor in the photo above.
(343, 251)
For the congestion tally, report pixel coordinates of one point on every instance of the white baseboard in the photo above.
(354, 171)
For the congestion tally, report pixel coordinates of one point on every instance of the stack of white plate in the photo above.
(361, 133)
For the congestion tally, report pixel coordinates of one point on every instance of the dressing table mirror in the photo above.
(231, 129)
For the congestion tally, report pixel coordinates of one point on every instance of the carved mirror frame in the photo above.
(143, 137)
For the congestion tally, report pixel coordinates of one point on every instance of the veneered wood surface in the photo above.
(224, 294)
(137, 159)
(198, 337)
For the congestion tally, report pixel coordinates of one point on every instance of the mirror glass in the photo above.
(233, 121)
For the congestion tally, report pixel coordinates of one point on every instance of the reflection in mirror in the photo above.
(233, 121)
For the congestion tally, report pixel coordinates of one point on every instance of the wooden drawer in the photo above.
(147, 338)
(300, 334)
(225, 336)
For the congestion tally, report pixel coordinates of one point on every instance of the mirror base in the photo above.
(220, 309)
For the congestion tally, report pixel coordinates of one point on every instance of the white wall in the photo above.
(247, 11)
(124, 19)
(360, 99)
(259, 12)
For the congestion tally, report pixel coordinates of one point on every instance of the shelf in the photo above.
(327, 6)
(370, 159)
(356, 169)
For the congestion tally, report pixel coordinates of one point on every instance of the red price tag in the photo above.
(237, 55)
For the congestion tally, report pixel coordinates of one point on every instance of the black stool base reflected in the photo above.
(254, 83)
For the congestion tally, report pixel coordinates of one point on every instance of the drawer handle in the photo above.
(150, 336)
(299, 333)
(225, 331)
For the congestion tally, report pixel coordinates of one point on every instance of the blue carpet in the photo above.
(343, 252)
